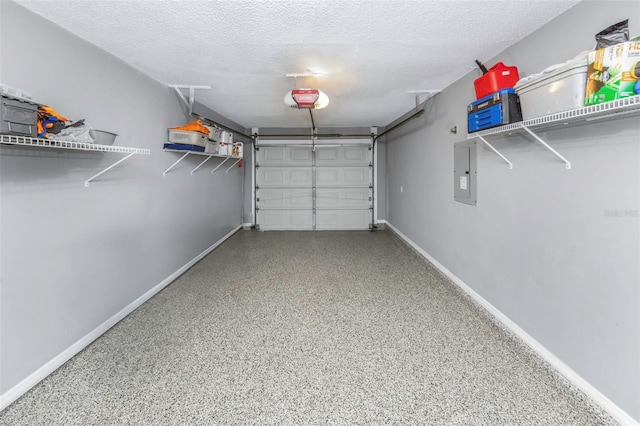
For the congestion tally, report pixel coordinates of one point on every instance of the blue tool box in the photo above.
(183, 147)
(496, 109)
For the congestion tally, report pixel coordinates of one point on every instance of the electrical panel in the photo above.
(465, 173)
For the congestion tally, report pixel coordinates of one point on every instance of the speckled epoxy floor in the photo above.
(306, 328)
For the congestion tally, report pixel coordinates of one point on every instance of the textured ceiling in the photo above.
(371, 51)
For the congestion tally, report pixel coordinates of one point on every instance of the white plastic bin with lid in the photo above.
(187, 137)
(558, 88)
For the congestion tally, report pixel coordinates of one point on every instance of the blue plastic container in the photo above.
(183, 147)
(497, 109)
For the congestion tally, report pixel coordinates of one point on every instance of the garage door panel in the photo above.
(276, 155)
(343, 198)
(331, 220)
(357, 154)
(342, 156)
(343, 176)
(326, 155)
(275, 177)
(285, 220)
(284, 157)
(284, 198)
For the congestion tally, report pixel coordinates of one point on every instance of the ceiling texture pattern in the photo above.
(371, 52)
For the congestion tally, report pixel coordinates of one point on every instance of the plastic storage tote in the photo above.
(187, 137)
(18, 117)
(560, 89)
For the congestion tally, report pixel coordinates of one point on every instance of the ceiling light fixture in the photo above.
(303, 74)
(306, 99)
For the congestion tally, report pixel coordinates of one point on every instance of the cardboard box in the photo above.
(613, 72)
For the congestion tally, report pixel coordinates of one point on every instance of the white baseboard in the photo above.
(381, 221)
(609, 406)
(247, 225)
(33, 379)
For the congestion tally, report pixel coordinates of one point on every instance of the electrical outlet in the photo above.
(401, 189)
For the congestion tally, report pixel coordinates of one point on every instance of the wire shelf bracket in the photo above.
(480, 137)
(232, 166)
(220, 165)
(201, 164)
(176, 163)
(188, 101)
(86, 182)
(567, 163)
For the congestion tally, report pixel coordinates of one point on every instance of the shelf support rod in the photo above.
(200, 165)
(495, 150)
(86, 182)
(220, 165)
(187, 101)
(546, 145)
(239, 160)
(175, 164)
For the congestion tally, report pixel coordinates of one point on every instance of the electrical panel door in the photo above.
(464, 172)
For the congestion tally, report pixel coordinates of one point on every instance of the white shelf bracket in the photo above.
(220, 165)
(546, 145)
(188, 101)
(201, 164)
(495, 150)
(175, 164)
(86, 183)
(239, 160)
(430, 93)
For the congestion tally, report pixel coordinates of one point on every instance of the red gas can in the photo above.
(498, 77)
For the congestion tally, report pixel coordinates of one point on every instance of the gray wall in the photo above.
(541, 245)
(72, 257)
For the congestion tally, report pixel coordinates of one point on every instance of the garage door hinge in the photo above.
(258, 199)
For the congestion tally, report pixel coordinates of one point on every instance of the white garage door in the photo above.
(329, 189)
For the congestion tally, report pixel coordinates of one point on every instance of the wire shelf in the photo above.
(205, 154)
(62, 144)
(208, 154)
(77, 146)
(605, 110)
(617, 108)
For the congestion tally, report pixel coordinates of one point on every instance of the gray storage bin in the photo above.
(559, 90)
(187, 137)
(18, 117)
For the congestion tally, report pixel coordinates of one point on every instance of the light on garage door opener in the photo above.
(306, 99)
